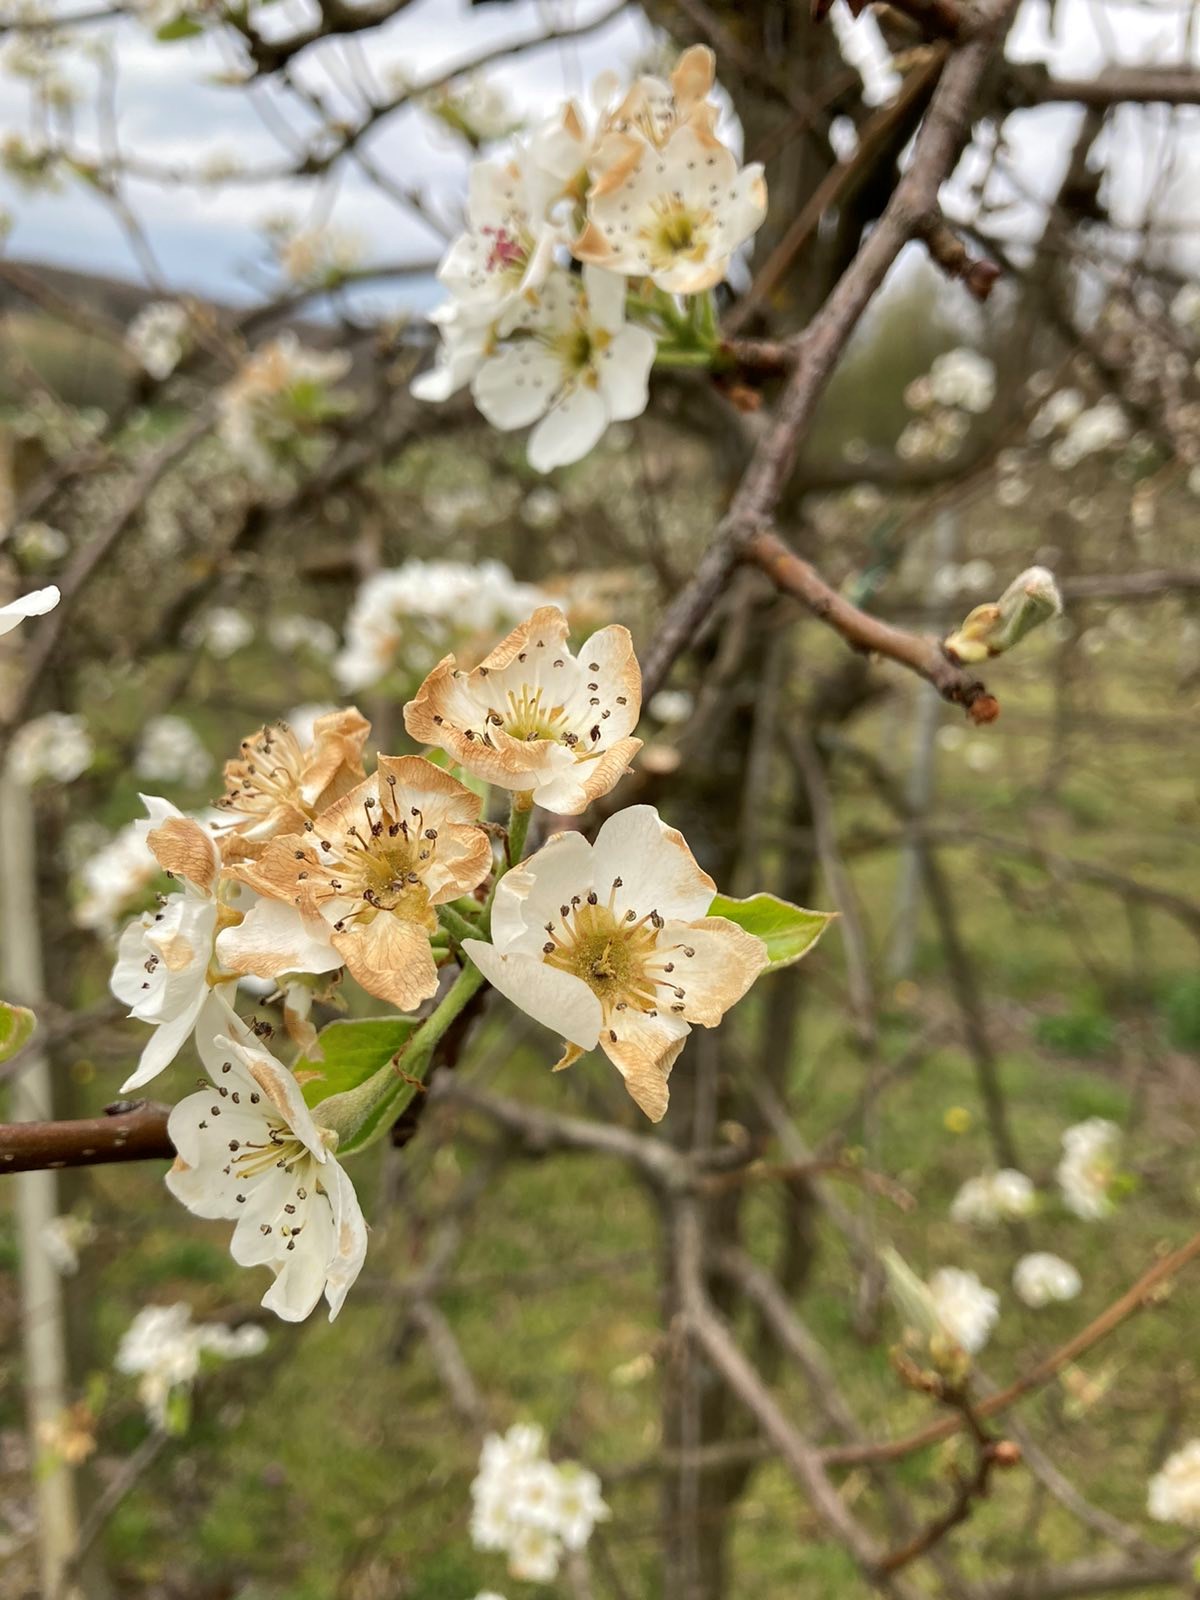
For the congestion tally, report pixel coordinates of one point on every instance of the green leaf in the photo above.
(353, 1050)
(788, 931)
(179, 28)
(16, 1029)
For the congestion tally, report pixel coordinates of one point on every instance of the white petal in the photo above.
(606, 298)
(163, 1045)
(569, 431)
(273, 938)
(301, 1278)
(658, 871)
(349, 1237)
(34, 604)
(553, 998)
(624, 369)
(514, 388)
(533, 894)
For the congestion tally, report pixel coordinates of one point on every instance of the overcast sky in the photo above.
(171, 108)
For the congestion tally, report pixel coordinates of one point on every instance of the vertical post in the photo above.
(43, 1327)
(919, 791)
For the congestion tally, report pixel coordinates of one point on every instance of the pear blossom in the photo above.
(56, 746)
(509, 244)
(994, 1197)
(407, 616)
(966, 1309)
(279, 782)
(171, 751)
(34, 604)
(282, 388)
(530, 1507)
(114, 875)
(158, 337)
(579, 368)
(164, 1349)
(360, 885)
(221, 630)
(164, 957)
(1088, 1167)
(1174, 1494)
(250, 1149)
(675, 215)
(609, 943)
(62, 1238)
(533, 718)
(1041, 1278)
(963, 378)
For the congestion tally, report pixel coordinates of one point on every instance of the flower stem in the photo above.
(456, 925)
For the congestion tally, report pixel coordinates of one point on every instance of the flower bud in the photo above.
(990, 630)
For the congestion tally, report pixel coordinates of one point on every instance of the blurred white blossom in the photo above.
(221, 630)
(63, 1238)
(1089, 1166)
(963, 378)
(171, 751)
(164, 1349)
(994, 1197)
(1174, 1494)
(530, 1507)
(966, 1309)
(56, 746)
(159, 336)
(1041, 1278)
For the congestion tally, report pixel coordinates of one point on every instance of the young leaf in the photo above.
(16, 1029)
(353, 1050)
(179, 28)
(788, 931)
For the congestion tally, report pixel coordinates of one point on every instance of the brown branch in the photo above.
(1034, 85)
(977, 275)
(865, 632)
(128, 1131)
(821, 345)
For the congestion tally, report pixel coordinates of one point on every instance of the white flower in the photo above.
(1174, 1494)
(994, 1197)
(963, 378)
(534, 1555)
(1088, 1167)
(408, 616)
(281, 391)
(163, 957)
(55, 746)
(294, 632)
(171, 751)
(477, 107)
(34, 604)
(1185, 307)
(158, 337)
(533, 718)
(1058, 411)
(579, 368)
(964, 1307)
(221, 630)
(675, 214)
(164, 1348)
(580, 1505)
(114, 875)
(671, 706)
(63, 1238)
(509, 243)
(250, 1150)
(1101, 428)
(40, 543)
(609, 943)
(1041, 1278)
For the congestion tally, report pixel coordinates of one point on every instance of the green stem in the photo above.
(519, 818)
(363, 1114)
(456, 925)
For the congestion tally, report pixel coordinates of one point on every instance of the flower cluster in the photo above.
(1040, 1279)
(281, 396)
(960, 384)
(591, 248)
(530, 1507)
(56, 746)
(159, 337)
(405, 618)
(317, 869)
(164, 1349)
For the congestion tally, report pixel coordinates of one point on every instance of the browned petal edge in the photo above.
(180, 845)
